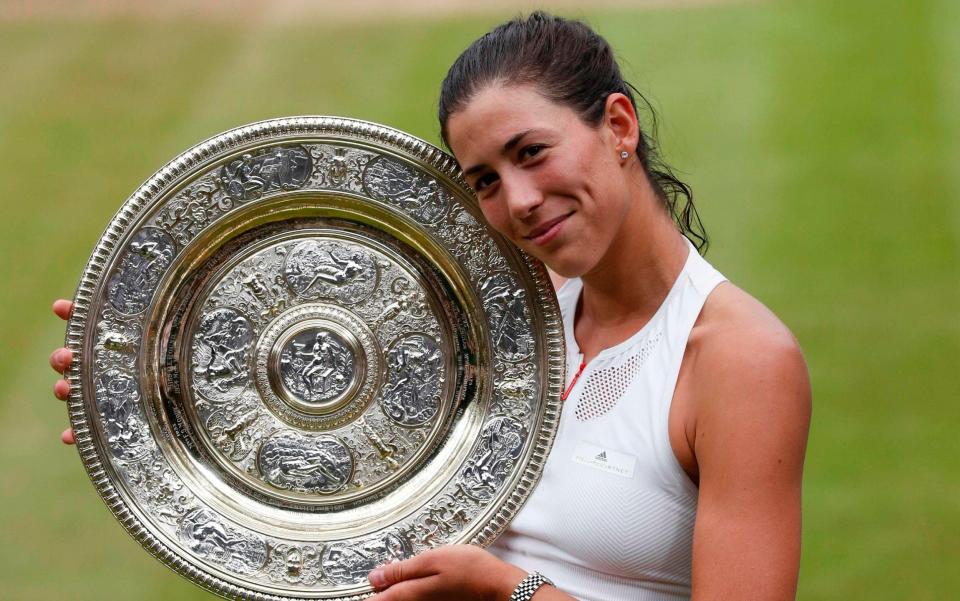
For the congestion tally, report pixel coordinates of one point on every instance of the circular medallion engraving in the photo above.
(321, 464)
(317, 365)
(328, 269)
(221, 354)
(147, 257)
(412, 393)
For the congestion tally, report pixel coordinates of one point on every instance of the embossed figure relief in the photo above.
(320, 464)
(412, 394)
(501, 443)
(509, 318)
(387, 450)
(464, 227)
(160, 489)
(350, 563)
(148, 255)
(295, 564)
(118, 341)
(516, 388)
(266, 296)
(442, 518)
(231, 425)
(254, 174)
(114, 340)
(316, 365)
(382, 447)
(212, 540)
(337, 167)
(221, 349)
(193, 209)
(415, 192)
(328, 269)
(405, 299)
(117, 399)
(472, 245)
(256, 286)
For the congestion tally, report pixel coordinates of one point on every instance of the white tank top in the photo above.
(612, 517)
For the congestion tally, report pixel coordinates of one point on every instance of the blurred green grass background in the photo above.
(822, 140)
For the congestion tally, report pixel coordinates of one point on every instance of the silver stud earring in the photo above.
(624, 154)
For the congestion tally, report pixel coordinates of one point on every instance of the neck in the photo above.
(632, 280)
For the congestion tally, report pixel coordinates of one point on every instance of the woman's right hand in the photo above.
(60, 360)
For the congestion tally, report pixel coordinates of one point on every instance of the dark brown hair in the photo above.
(572, 65)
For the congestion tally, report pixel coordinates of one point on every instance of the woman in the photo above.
(677, 467)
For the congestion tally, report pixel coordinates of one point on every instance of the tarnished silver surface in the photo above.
(301, 354)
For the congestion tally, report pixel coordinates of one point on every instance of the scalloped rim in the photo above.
(152, 190)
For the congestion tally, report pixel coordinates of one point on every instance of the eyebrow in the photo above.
(510, 145)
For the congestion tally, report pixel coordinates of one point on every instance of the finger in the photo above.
(418, 566)
(61, 390)
(60, 359)
(419, 589)
(63, 308)
(67, 436)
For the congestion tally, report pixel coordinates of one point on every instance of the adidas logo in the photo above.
(605, 460)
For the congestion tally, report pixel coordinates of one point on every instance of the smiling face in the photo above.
(552, 184)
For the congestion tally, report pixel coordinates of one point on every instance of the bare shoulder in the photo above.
(737, 334)
(746, 370)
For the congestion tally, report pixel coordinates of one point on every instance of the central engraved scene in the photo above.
(320, 370)
(318, 367)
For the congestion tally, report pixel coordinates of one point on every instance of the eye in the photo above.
(531, 151)
(484, 181)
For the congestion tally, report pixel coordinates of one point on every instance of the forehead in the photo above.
(496, 114)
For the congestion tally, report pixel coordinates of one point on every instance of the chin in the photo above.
(568, 267)
(566, 260)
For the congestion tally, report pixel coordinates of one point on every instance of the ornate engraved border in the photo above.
(136, 206)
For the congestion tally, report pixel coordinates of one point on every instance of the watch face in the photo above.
(302, 354)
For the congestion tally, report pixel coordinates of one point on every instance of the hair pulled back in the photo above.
(572, 65)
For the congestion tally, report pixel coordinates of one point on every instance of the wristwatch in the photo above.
(528, 586)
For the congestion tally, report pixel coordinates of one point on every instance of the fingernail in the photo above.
(63, 356)
(378, 578)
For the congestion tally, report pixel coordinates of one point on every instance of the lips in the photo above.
(546, 231)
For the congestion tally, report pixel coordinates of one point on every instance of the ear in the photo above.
(620, 119)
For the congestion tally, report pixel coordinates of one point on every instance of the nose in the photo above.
(522, 194)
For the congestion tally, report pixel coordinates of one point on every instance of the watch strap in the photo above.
(528, 586)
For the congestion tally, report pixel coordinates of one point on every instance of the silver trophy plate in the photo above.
(302, 354)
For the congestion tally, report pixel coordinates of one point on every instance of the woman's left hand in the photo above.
(461, 572)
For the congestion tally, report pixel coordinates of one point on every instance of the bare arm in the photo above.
(752, 418)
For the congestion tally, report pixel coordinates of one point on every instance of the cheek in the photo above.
(496, 215)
